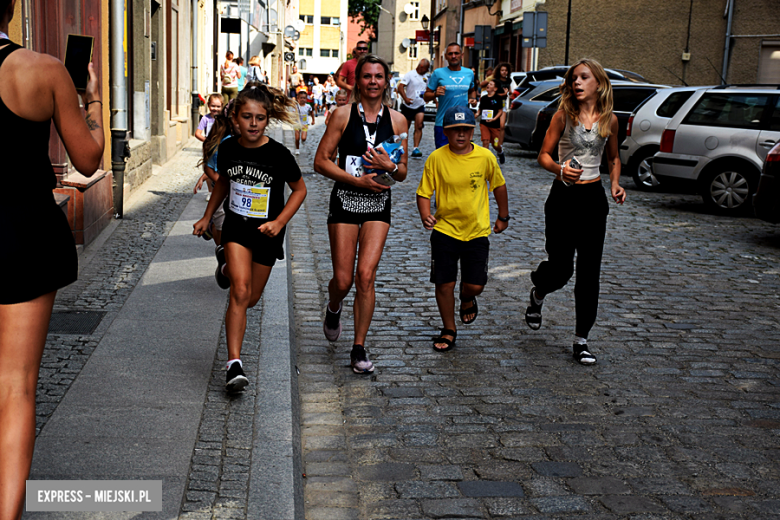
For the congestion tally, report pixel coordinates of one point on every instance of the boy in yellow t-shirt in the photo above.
(459, 174)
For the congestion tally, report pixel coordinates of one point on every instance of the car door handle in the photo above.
(767, 144)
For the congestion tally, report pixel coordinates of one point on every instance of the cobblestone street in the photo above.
(679, 419)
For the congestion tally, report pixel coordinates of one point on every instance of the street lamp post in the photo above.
(425, 21)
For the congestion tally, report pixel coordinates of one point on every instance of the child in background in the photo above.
(491, 107)
(459, 174)
(214, 103)
(302, 126)
(317, 92)
(342, 98)
(253, 172)
(223, 129)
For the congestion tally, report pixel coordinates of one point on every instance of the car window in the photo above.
(627, 99)
(731, 110)
(673, 103)
(547, 95)
(774, 121)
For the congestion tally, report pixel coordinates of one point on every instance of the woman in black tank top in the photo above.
(38, 254)
(359, 214)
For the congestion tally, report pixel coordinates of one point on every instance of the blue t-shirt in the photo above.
(212, 162)
(458, 83)
(242, 80)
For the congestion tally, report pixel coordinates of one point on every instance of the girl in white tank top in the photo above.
(577, 208)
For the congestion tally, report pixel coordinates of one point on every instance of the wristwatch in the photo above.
(395, 170)
(505, 219)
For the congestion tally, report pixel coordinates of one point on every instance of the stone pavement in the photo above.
(679, 419)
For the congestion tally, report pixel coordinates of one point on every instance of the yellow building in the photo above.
(322, 45)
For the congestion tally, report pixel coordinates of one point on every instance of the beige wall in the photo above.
(650, 37)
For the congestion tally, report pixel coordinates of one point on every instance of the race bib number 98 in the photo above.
(249, 201)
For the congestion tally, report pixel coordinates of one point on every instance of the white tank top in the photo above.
(586, 145)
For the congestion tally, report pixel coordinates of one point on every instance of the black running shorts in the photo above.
(356, 207)
(241, 230)
(473, 256)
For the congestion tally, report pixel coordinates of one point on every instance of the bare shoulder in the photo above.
(398, 118)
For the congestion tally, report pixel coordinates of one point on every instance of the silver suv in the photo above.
(719, 138)
(643, 133)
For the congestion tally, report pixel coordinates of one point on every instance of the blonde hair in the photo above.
(212, 97)
(604, 100)
(371, 59)
(254, 61)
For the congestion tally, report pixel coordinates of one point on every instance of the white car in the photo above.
(643, 133)
(719, 139)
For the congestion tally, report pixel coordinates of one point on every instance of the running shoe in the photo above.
(501, 158)
(416, 153)
(297, 152)
(359, 360)
(222, 280)
(235, 380)
(533, 313)
(331, 326)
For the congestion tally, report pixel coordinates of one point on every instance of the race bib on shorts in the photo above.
(487, 114)
(354, 165)
(249, 201)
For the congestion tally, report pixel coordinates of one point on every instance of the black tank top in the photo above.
(27, 174)
(353, 140)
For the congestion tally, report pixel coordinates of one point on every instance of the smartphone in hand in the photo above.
(78, 55)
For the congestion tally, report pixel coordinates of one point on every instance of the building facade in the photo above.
(669, 41)
(399, 21)
(322, 45)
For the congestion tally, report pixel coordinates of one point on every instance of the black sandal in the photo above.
(441, 339)
(474, 309)
(582, 355)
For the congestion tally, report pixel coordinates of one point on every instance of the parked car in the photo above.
(626, 97)
(766, 201)
(521, 117)
(557, 72)
(517, 78)
(643, 133)
(719, 139)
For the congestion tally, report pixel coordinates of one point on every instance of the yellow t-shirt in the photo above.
(461, 186)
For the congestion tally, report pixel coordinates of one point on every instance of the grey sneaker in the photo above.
(359, 360)
(331, 326)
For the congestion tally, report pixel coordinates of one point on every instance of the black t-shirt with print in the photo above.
(493, 103)
(271, 165)
(502, 84)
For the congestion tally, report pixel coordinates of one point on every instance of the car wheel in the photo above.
(729, 188)
(642, 171)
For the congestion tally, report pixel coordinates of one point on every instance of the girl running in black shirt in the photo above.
(253, 170)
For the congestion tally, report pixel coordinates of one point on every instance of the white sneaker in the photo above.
(297, 152)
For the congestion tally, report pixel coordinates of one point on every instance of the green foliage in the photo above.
(366, 11)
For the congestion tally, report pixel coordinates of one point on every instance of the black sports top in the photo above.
(353, 143)
(24, 148)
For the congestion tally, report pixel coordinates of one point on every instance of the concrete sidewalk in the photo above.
(149, 401)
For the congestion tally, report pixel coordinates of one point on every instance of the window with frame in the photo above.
(335, 20)
(729, 110)
(324, 20)
(672, 104)
(309, 51)
(307, 18)
(416, 13)
(334, 53)
(324, 53)
(412, 52)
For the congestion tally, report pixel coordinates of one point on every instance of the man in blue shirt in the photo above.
(453, 85)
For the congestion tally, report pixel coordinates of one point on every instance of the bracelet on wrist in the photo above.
(86, 105)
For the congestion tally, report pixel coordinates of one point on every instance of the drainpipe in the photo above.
(727, 47)
(120, 148)
(460, 28)
(195, 116)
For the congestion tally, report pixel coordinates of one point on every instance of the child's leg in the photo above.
(474, 267)
(445, 301)
(239, 270)
(260, 274)
(297, 139)
(304, 133)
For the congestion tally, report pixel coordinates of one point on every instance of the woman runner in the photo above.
(359, 216)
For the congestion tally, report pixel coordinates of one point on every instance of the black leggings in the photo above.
(575, 220)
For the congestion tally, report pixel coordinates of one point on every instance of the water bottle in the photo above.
(393, 148)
